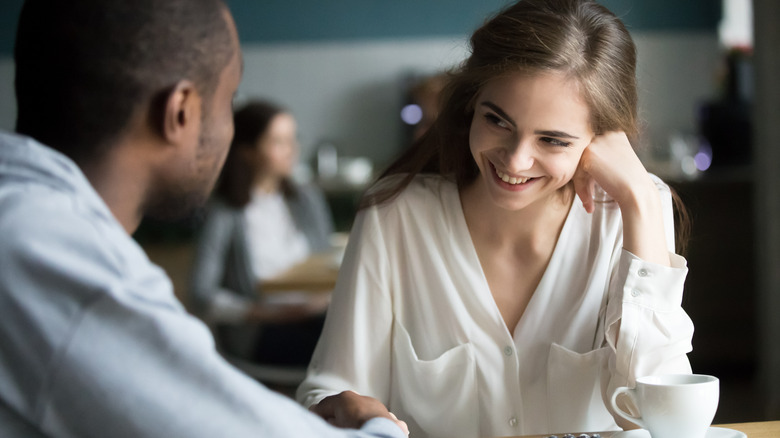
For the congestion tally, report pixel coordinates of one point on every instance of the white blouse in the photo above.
(275, 243)
(413, 323)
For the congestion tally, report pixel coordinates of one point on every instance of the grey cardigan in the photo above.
(222, 260)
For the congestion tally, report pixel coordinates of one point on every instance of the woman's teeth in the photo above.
(510, 179)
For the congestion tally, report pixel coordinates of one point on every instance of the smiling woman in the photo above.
(527, 135)
(517, 263)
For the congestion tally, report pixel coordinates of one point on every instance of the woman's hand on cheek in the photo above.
(610, 162)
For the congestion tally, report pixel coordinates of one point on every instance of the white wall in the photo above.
(350, 92)
(676, 72)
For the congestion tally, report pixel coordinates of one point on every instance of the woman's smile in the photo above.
(509, 182)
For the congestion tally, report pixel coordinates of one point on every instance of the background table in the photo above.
(763, 429)
(318, 273)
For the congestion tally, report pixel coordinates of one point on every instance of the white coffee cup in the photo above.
(672, 405)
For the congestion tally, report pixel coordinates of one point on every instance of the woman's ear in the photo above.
(182, 113)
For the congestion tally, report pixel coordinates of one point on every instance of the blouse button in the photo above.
(507, 351)
(513, 421)
(643, 273)
(635, 292)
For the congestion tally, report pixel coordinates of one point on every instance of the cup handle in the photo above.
(631, 393)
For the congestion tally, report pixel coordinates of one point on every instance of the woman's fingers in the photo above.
(583, 185)
(610, 162)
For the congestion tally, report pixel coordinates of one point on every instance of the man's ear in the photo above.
(182, 113)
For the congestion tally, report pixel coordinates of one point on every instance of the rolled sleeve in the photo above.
(647, 327)
(650, 285)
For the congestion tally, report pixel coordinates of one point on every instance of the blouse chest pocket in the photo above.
(438, 397)
(574, 389)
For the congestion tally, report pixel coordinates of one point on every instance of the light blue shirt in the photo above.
(93, 341)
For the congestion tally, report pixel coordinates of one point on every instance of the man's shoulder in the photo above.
(33, 211)
(50, 231)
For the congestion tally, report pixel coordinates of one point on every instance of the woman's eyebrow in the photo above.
(505, 116)
(559, 134)
(499, 111)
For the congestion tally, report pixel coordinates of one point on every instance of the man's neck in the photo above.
(121, 183)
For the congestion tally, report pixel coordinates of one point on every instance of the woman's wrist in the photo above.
(643, 224)
(640, 198)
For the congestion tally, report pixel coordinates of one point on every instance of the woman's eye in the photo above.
(555, 141)
(495, 120)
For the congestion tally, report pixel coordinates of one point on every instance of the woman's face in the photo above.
(527, 136)
(278, 147)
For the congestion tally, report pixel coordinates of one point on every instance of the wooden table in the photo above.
(318, 273)
(763, 429)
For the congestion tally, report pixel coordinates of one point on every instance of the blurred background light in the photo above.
(411, 114)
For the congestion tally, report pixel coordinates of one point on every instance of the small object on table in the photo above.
(582, 435)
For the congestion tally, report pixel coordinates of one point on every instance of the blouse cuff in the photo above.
(650, 285)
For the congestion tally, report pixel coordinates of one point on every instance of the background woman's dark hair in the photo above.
(82, 70)
(238, 175)
(577, 38)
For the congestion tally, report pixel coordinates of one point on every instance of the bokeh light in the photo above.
(411, 114)
(703, 158)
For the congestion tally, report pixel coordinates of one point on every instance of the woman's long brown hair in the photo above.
(579, 38)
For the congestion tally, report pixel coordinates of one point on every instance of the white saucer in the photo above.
(712, 432)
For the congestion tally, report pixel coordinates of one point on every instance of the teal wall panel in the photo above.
(9, 14)
(305, 20)
(315, 20)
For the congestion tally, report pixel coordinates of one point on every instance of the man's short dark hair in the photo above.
(84, 66)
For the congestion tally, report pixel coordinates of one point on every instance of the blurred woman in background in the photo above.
(259, 224)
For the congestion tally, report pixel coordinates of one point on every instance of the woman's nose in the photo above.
(522, 156)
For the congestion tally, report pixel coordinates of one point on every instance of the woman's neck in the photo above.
(534, 228)
(267, 184)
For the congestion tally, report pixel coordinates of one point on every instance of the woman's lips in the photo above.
(511, 182)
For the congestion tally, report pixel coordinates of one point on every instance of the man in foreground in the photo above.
(124, 109)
